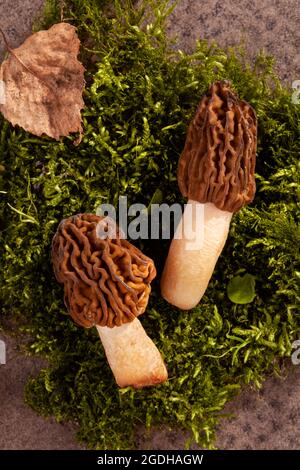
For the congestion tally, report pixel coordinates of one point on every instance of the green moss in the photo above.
(50, 13)
(140, 96)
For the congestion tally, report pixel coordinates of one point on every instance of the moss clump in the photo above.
(140, 96)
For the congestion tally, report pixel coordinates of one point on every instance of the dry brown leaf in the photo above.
(44, 83)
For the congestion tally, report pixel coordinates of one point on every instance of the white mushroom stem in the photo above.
(192, 258)
(133, 357)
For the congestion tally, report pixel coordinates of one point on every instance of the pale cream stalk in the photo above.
(192, 258)
(133, 357)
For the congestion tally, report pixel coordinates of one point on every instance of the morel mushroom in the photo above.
(107, 285)
(216, 172)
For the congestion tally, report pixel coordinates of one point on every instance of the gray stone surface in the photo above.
(265, 420)
(20, 427)
(16, 18)
(269, 25)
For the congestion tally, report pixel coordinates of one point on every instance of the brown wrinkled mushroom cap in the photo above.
(218, 161)
(106, 281)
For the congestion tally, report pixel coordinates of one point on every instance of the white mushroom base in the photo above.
(133, 357)
(191, 261)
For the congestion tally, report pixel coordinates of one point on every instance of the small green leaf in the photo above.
(241, 289)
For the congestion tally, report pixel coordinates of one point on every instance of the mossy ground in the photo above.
(140, 96)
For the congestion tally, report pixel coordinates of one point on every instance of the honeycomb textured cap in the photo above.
(218, 160)
(106, 281)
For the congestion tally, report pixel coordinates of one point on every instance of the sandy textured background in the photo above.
(268, 419)
(271, 25)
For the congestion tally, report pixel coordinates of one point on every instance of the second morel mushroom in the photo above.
(216, 171)
(107, 285)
